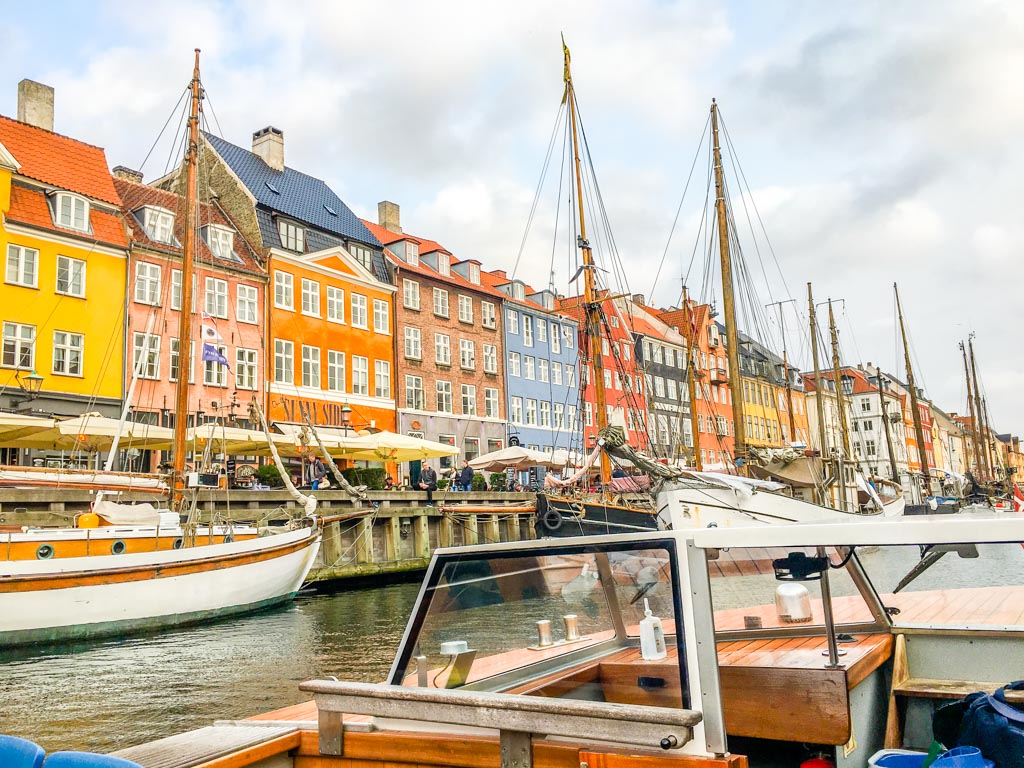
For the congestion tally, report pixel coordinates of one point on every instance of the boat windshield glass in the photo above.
(978, 586)
(748, 595)
(496, 620)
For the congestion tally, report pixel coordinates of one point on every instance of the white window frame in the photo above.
(284, 290)
(15, 273)
(542, 370)
(360, 375)
(488, 315)
(474, 273)
(413, 343)
(221, 242)
(529, 367)
(491, 403)
(410, 294)
(215, 374)
(542, 330)
(381, 317)
(215, 298)
(442, 349)
(310, 297)
(147, 283)
(247, 303)
(247, 371)
(512, 321)
(515, 410)
(72, 347)
(415, 399)
(72, 268)
(311, 366)
(514, 364)
(444, 264)
(444, 396)
(335, 370)
(469, 400)
(527, 330)
(530, 412)
(465, 308)
(412, 253)
(150, 342)
(490, 358)
(78, 205)
(293, 237)
(467, 354)
(335, 304)
(284, 361)
(545, 414)
(441, 302)
(357, 312)
(159, 224)
(382, 379)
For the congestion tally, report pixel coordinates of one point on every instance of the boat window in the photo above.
(748, 595)
(977, 586)
(496, 619)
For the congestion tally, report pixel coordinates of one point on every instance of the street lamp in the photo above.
(30, 384)
(346, 417)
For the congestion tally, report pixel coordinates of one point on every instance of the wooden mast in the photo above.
(785, 367)
(590, 297)
(728, 297)
(819, 401)
(885, 426)
(982, 439)
(974, 414)
(185, 321)
(837, 375)
(691, 380)
(918, 430)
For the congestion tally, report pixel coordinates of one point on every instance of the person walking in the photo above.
(319, 472)
(466, 477)
(428, 483)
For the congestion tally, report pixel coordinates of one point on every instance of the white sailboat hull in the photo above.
(107, 595)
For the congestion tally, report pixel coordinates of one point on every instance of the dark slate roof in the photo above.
(316, 240)
(299, 196)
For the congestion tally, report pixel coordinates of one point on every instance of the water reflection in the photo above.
(106, 696)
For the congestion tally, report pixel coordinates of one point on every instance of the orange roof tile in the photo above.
(29, 206)
(58, 160)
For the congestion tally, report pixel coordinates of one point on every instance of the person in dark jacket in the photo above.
(428, 483)
(466, 477)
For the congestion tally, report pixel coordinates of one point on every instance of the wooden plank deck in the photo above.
(204, 746)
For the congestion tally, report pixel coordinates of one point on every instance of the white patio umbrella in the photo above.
(389, 446)
(515, 457)
(94, 432)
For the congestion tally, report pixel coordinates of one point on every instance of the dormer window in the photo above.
(221, 241)
(547, 301)
(444, 264)
(159, 224)
(412, 253)
(292, 236)
(518, 291)
(474, 274)
(362, 254)
(72, 212)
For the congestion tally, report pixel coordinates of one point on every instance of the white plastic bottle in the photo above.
(652, 636)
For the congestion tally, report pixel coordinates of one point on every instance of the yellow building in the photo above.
(766, 412)
(64, 254)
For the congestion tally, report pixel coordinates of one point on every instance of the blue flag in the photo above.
(212, 355)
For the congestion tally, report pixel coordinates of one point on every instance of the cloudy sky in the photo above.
(880, 140)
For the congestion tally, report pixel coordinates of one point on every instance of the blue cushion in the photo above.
(87, 760)
(20, 753)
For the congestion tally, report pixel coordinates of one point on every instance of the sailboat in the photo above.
(150, 571)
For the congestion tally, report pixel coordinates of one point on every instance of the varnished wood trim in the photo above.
(247, 757)
(660, 760)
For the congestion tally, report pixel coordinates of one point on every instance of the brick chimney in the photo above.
(35, 104)
(638, 299)
(389, 216)
(268, 144)
(128, 174)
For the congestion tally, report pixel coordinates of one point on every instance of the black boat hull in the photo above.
(559, 516)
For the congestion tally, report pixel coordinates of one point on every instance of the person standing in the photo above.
(319, 472)
(428, 483)
(466, 477)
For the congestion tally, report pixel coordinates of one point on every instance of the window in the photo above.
(567, 336)
(491, 403)
(516, 410)
(605, 349)
(412, 253)
(358, 316)
(513, 364)
(556, 344)
(512, 321)
(173, 360)
(528, 367)
(527, 330)
(335, 304)
(490, 358)
(284, 290)
(471, 448)
(570, 375)
(869, 447)
(442, 349)
(531, 411)
(216, 297)
(588, 410)
(310, 366)
(145, 354)
(382, 378)
(559, 416)
(444, 264)
(147, 283)
(556, 373)
(571, 418)
(441, 302)
(215, 374)
(446, 461)
(67, 353)
(865, 405)
(246, 371)
(542, 370)
(607, 378)
(72, 212)
(292, 236)
(410, 294)
(284, 360)
(247, 305)
(468, 400)
(626, 351)
(474, 274)
(414, 392)
(360, 375)
(518, 291)
(362, 254)
(176, 289)
(545, 413)
(335, 370)
(413, 343)
(70, 276)
(221, 241)
(465, 309)
(159, 224)
(659, 386)
(670, 385)
(542, 330)
(381, 320)
(444, 397)
(614, 321)
(487, 315)
(467, 354)
(869, 426)
(310, 297)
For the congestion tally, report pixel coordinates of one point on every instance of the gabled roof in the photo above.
(497, 278)
(136, 196)
(58, 160)
(30, 206)
(292, 193)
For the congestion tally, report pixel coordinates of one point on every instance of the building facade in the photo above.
(767, 420)
(868, 414)
(65, 252)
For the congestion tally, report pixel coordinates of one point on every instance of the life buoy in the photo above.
(550, 519)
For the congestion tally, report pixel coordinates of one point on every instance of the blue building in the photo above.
(541, 370)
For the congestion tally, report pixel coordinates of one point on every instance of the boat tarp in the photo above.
(127, 514)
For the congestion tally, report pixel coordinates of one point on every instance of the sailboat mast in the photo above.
(885, 426)
(187, 258)
(819, 400)
(590, 298)
(918, 430)
(785, 366)
(982, 440)
(974, 414)
(837, 375)
(728, 297)
(691, 380)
